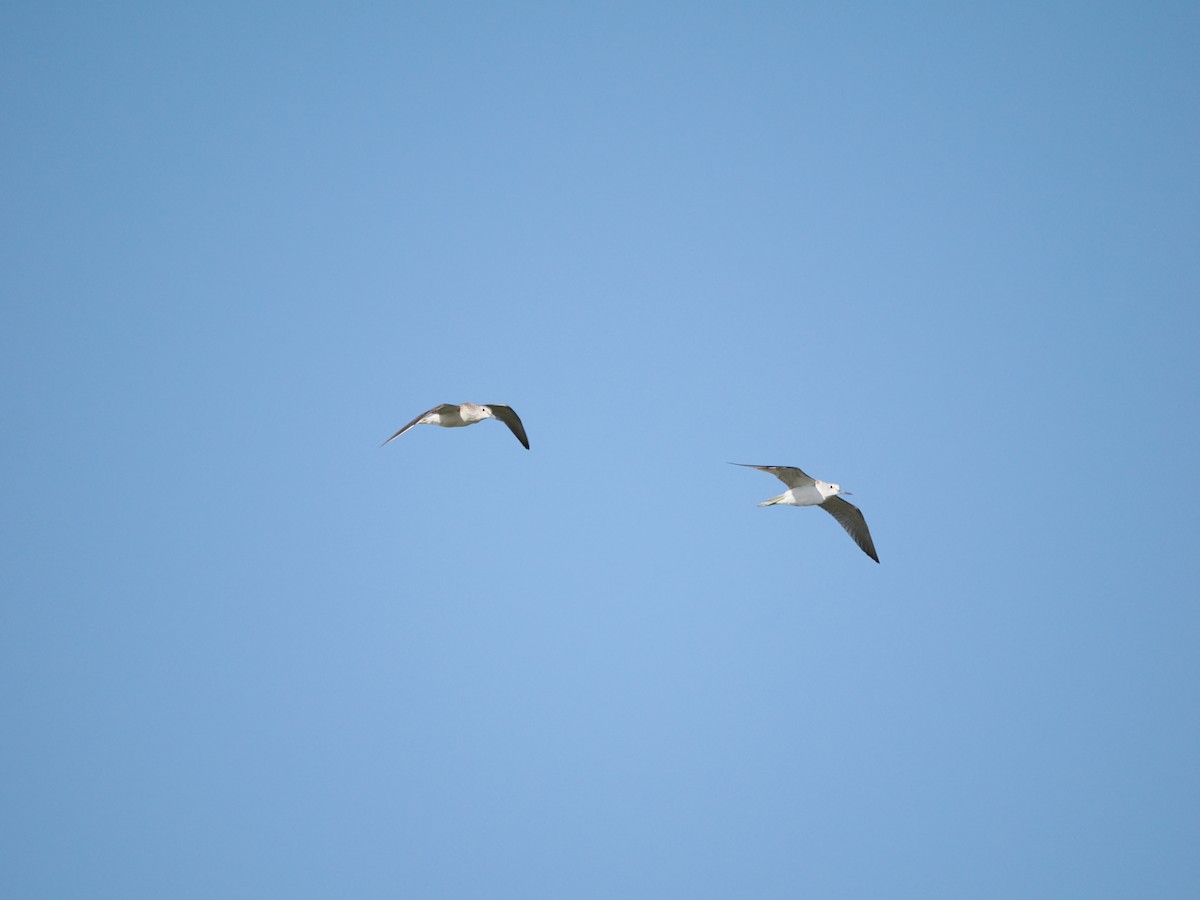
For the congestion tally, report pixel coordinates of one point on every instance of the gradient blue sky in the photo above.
(945, 254)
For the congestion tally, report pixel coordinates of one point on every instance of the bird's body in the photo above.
(806, 495)
(803, 490)
(459, 415)
(449, 415)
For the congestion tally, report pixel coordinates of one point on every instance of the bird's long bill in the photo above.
(847, 493)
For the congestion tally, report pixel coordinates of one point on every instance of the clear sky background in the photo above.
(944, 254)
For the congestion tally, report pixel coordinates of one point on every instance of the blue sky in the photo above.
(943, 255)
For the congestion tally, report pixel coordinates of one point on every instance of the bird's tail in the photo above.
(772, 501)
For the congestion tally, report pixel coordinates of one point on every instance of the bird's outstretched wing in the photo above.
(789, 475)
(441, 407)
(851, 518)
(506, 415)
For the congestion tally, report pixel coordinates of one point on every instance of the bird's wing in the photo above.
(506, 415)
(851, 518)
(441, 407)
(789, 475)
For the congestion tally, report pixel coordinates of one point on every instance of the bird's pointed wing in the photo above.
(506, 415)
(441, 407)
(851, 518)
(789, 475)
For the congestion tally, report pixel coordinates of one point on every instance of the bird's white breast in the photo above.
(808, 495)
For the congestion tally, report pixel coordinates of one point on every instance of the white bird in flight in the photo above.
(806, 491)
(456, 415)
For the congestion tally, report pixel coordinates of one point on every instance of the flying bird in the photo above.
(456, 415)
(806, 491)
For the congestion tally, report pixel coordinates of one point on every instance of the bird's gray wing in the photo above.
(441, 407)
(789, 475)
(506, 415)
(851, 518)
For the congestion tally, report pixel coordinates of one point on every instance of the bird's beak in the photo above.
(847, 493)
